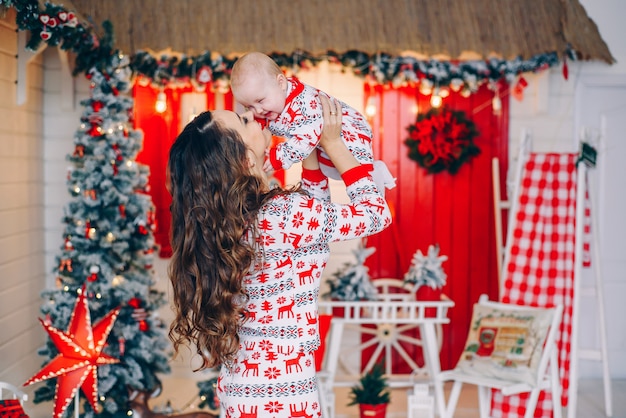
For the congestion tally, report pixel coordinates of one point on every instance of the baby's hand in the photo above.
(267, 166)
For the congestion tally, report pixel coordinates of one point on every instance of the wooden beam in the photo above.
(67, 82)
(24, 57)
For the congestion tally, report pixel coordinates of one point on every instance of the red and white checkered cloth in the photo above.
(540, 266)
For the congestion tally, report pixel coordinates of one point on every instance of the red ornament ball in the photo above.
(135, 303)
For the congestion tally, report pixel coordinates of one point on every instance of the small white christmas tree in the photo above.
(427, 270)
(352, 281)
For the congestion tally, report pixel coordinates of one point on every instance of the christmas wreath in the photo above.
(442, 139)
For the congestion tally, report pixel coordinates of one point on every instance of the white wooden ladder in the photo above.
(595, 291)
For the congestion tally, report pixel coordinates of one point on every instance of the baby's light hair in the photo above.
(253, 63)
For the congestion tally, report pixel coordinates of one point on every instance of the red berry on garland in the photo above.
(122, 209)
(143, 326)
(72, 20)
(96, 105)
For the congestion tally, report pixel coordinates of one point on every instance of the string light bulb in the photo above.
(161, 102)
(370, 108)
(436, 100)
(496, 104)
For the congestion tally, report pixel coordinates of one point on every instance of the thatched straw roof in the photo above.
(448, 29)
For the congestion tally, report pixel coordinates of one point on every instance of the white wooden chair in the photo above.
(546, 373)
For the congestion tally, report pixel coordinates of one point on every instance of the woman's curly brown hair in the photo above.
(215, 200)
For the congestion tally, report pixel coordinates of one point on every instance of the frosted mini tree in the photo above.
(427, 270)
(352, 281)
(108, 246)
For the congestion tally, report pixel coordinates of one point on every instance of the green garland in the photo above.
(442, 139)
(53, 25)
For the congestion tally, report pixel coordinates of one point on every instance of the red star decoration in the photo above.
(80, 353)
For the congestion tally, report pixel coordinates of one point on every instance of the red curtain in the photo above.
(454, 211)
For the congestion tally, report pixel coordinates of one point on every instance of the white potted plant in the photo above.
(426, 274)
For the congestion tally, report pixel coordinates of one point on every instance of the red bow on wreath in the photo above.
(442, 139)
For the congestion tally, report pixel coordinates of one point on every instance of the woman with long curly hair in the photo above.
(247, 259)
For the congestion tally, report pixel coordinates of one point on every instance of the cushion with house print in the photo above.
(505, 343)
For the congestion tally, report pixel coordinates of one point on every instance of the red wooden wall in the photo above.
(455, 211)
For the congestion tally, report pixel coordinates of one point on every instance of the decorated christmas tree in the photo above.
(108, 248)
(352, 281)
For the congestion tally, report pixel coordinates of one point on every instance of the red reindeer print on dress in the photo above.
(288, 309)
(355, 211)
(379, 208)
(250, 315)
(296, 413)
(294, 362)
(345, 230)
(252, 414)
(364, 138)
(254, 367)
(292, 238)
(284, 263)
(307, 274)
(310, 318)
(293, 113)
(307, 204)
